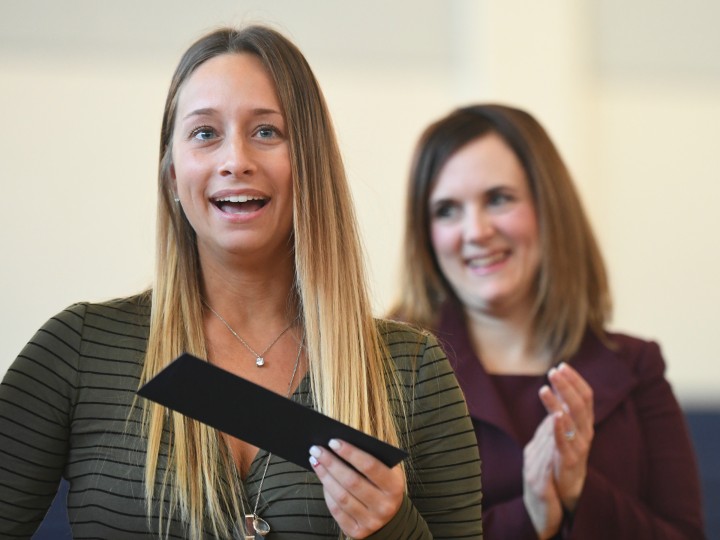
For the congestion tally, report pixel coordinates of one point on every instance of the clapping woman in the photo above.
(259, 271)
(578, 429)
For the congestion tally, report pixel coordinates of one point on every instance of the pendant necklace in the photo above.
(255, 526)
(259, 357)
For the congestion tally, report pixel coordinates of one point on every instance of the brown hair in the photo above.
(346, 354)
(571, 289)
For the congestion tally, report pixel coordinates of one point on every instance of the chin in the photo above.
(490, 303)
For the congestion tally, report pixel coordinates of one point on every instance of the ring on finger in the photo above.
(570, 435)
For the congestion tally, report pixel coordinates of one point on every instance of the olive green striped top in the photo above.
(65, 412)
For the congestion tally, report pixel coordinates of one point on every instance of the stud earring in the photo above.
(177, 199)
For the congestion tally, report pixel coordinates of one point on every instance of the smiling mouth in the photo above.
(488, 260)
(240, 204)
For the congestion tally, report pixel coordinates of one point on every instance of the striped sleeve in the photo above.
(36, 399)
(444, 487)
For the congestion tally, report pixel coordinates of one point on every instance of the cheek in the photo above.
(521, 225)
(284, 169)
(177, 169)
(526, 236)
(445, 240)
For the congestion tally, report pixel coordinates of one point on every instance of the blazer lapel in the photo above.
(605, 371)
(484, 402)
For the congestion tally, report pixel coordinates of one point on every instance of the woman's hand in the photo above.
(570, 402)
(539, 491)
(364, 499)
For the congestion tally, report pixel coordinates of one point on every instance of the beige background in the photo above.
(629, 90)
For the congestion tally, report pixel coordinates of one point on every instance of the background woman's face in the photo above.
(230, 159)
(484, 228)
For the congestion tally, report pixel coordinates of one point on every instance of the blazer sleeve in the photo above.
(508, 520)
(36, 400)
(444, 488)
(671, 505)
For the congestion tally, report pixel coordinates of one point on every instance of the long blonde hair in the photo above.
(348, 367)
(571, 289)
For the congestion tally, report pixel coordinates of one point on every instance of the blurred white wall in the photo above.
(629, 90)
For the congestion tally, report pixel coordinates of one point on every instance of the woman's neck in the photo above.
(505, 343)
(252, 296)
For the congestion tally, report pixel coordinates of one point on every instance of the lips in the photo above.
(240, 204)
(483, 262)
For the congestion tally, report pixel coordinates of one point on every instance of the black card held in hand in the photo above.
(254, 414)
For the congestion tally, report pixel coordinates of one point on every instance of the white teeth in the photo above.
(479, 262)
(239, 198)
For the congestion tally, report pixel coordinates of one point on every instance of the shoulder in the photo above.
(627, 344)
(83, 330)
(416, 354)
(393, 331)
(617, 357)
(130, 307)
(128, 311)
(86, 324)
(125, 308)
(636, 352)
(405, 341)
(622, 369)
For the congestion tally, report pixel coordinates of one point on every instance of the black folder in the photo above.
(254, 414)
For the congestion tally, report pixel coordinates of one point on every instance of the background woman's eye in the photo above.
(498, 198)
(444, 210)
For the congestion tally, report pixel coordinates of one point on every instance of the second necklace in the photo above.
(259, 357)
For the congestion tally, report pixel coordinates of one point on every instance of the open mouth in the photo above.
(240, 204)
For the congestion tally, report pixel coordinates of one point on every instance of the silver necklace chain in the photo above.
(253, 522)
(259, 525)
(259, 357)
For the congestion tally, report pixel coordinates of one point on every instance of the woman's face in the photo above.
(230, 159)
(484, 229)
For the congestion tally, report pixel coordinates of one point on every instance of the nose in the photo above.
(478, 226)
(236, 157)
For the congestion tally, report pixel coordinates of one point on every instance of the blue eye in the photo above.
(267, 132)
(202, 133)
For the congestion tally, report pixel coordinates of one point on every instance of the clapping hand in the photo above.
(555, 459)
(570, 401)
(539, 492)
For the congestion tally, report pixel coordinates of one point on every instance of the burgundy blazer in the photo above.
(642, 481)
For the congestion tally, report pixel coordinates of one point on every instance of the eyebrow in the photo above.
(259, 111)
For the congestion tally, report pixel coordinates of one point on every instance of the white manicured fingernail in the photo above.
(315, 451)
(314, 462)
(334, 444)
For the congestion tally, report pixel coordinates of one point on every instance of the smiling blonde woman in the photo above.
(259, 271)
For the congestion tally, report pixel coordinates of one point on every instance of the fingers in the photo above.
(550, 400)
(568, 440)
(537, 458)
(569, 401)
(361, 492)
(570, 393)
(540, 496)
(570, 467)
(567, 380)
(538, 452)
